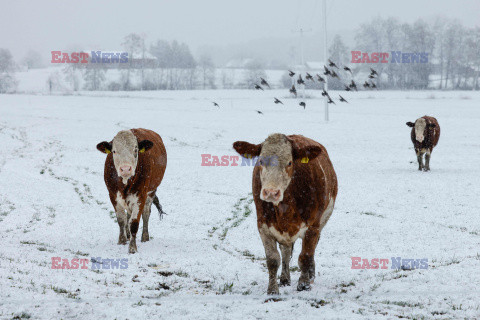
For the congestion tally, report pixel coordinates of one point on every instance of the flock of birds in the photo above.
(327, 72)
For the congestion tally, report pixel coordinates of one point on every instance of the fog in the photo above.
(223, 28)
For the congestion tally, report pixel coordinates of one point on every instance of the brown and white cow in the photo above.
(425, 134)
(294, 189)
(134, 168)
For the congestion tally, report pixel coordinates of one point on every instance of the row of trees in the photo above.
(453, 53)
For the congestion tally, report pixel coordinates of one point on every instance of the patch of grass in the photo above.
(22, 315)
(368, 213)
(317, 303)
(165, 273)
(181, 273)
(227, 287)
(402, 304)
(294, 269)
(42, 249)
(58, 290)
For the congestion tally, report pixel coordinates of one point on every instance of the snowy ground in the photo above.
(205, 259)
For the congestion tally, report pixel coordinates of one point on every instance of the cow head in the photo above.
(125, 149)
(277, 158)
(420, 128)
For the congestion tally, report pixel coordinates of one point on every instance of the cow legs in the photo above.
(126, 226)
(286, 251)
(145, 217)
(306, 260)
(134, 221)
(122, 223)
(273, 262)
(427, 160)
(420, 159)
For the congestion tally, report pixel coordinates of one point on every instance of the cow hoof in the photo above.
(284, 281)
(132, 249)
(122, 241)
(304, 286)
(273, 291)
(426, 169)
(145, 238)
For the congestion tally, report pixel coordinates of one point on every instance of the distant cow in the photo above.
(294, 188)
(425, 134)
(134, 169)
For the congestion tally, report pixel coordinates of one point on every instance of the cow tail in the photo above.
(157, 204)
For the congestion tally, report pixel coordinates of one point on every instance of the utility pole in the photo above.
(327, 116)
(301, 30)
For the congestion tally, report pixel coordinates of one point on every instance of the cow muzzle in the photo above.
(125, 171)
(420, 138)
(271, 195)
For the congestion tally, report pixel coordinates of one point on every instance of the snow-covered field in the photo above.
(205, 259)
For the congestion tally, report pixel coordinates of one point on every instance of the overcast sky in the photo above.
(96, 24)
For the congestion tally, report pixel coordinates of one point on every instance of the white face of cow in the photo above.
(278, 155)
(420, 126)
(125, 149)
(125, 154)
(276, 168)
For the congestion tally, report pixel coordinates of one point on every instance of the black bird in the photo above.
(259, 112)
(293, 90)
(216, 104)
(334, 75)
(291, 73)
(264, 82)
(302, 104)
(309, 77)
(258, 87)
(325, 93)
(347, 88)
(353, 85)
(300, 80)
(373, 72)
(342, 99)
(327, 72)
(331, 64)
(320, 79)
(347, 69)
(366, 85)
(330, 100)
(373, 85)
(371, 76)
(277, 101)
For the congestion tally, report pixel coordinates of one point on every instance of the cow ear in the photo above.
(306, 153)
(410, 124)
(247, 150)
(432, 125)
(144, 145)
(105, 147)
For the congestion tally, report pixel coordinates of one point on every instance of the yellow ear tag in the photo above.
(249, 156)
(107, 151)
(305, 160)
(141, 150)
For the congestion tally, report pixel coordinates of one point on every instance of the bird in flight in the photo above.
(348, 69)
(293, 90)
(216, 104)
(302, 104)
(259, 112)
(331, 64)
(327, 72)
(258, 87)
(342, 99)
(309, 77)
(291, 73)
(264, 82)
(300, 80)
(372, 72)
(330, 100)
(277, 101)
(353, 85)
(320, 79)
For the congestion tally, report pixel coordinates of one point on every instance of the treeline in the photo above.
(453, 53)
